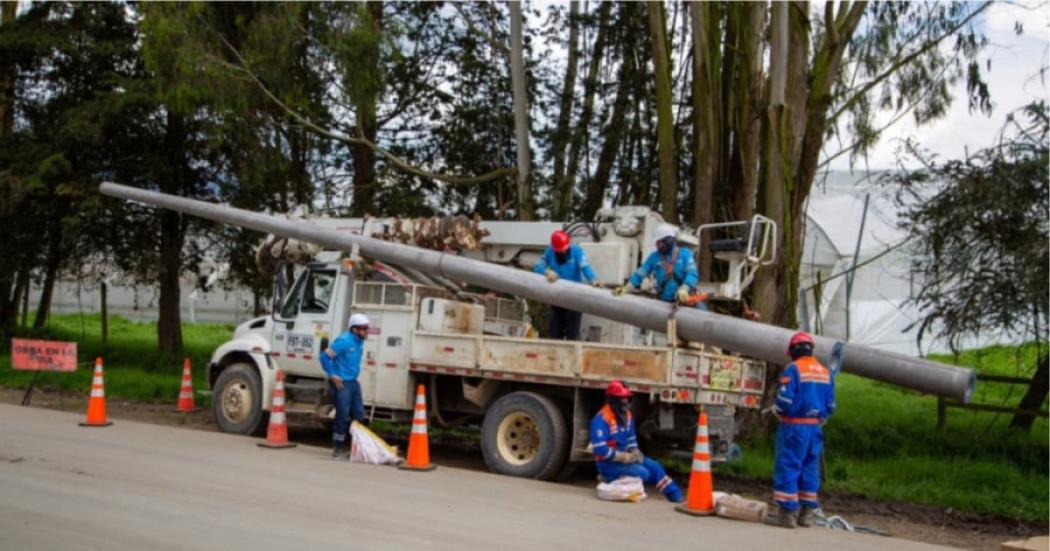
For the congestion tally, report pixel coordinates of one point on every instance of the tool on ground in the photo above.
(186, 404)
(277, 432)
(700, 500)
(96, 410)
(418, 442)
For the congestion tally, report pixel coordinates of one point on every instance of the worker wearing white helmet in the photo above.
(672, 267)
(342, 363)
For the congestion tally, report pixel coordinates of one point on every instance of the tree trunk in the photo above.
(521, 112)
(364, 181)
(51, 265)
(104, 311)
(746, 115)
(614, 132)
(8, 75)
(169, 322)
(1034, 397)
(704, 23)
(664, 116)
(560, 139)
(564, 193)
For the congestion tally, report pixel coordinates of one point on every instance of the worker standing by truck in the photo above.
(671, 265)
(563, 260)
(342, 363)
(805, 399)
(614, 442)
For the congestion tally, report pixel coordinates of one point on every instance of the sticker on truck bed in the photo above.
(299, 343)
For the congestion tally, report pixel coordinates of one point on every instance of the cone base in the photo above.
(407, 467)
(694, 512)
(276, 446)
(102, 424)
(194, 410)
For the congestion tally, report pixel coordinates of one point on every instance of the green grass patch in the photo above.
(883, 442)
(134, 368)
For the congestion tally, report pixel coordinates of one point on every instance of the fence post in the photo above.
(942, 413)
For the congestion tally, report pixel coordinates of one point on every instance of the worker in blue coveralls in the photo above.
(671, 265)
(342, 364)
(615, 445)
(563, 260)
(805, 399)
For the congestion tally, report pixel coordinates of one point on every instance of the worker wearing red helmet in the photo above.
(805, 399)
(614, 442)
(563, 260)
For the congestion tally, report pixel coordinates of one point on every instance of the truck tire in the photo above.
(237, 400)
(524, 434)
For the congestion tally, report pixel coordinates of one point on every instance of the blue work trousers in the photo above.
(796, 472)
(648, 470)
(349, 405)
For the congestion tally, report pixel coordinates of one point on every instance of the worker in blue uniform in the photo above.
(342, 363)
(805, 400)
(672, 266)
(563, 260)
(615, 445)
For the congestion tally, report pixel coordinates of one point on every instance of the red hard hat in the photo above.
(799, 338)
(560, 241)
(617, 389)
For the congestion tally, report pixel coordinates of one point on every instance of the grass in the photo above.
(134, 369)
(882, 442)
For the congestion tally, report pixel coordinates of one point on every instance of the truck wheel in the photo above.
(524, 434)
(237, 400)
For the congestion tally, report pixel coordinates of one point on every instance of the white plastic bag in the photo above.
(368, 447)
(628, 488)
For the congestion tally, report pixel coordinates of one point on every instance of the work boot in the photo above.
(673, 493)
(340, 453)
(811, 516)
(776, 516)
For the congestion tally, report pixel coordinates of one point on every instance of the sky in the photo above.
(1013, 82)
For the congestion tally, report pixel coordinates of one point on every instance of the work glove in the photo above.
(617, 291)
(552, 276)
(682, 294)
(623, 457)
(596, 283)
(636, 455)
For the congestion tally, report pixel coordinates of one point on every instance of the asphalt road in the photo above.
(138, 486)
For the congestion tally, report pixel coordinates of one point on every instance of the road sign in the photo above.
(32, 355)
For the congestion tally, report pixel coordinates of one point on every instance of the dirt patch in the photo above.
(903, 520)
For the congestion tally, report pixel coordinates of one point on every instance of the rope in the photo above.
(836, 522)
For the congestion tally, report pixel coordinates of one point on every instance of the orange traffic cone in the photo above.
(277, 432)
(418, 443)
(700, 500)
(96, 410)
(185, 404)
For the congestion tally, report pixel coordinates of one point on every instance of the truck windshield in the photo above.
(312, 293)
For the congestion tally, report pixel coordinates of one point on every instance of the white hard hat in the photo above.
(665, 230)
(358, 319)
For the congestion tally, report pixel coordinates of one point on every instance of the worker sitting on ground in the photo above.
(615, 445)
(672, 267)
(342, 363)
(805, 399)
(563, 260)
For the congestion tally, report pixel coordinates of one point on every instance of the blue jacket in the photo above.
(348, 349)
(670, 271)
(576, 267)
(608, 436)
(807, 392)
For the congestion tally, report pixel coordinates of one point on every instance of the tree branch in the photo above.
(360, 140)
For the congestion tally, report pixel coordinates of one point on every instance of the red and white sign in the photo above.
(29, 355)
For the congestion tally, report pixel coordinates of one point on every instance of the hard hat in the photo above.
(665, 230)
(358, 320)
(560, 241)
(799, 338)
(617, 389)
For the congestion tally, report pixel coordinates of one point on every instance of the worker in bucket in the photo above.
(805, 399)
(615, 445)
(563, 260)
(672, 266)
(342, 363)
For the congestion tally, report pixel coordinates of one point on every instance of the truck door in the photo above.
(304, 320)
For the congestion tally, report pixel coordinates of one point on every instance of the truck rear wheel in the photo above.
(237, 400)
(524, 434)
